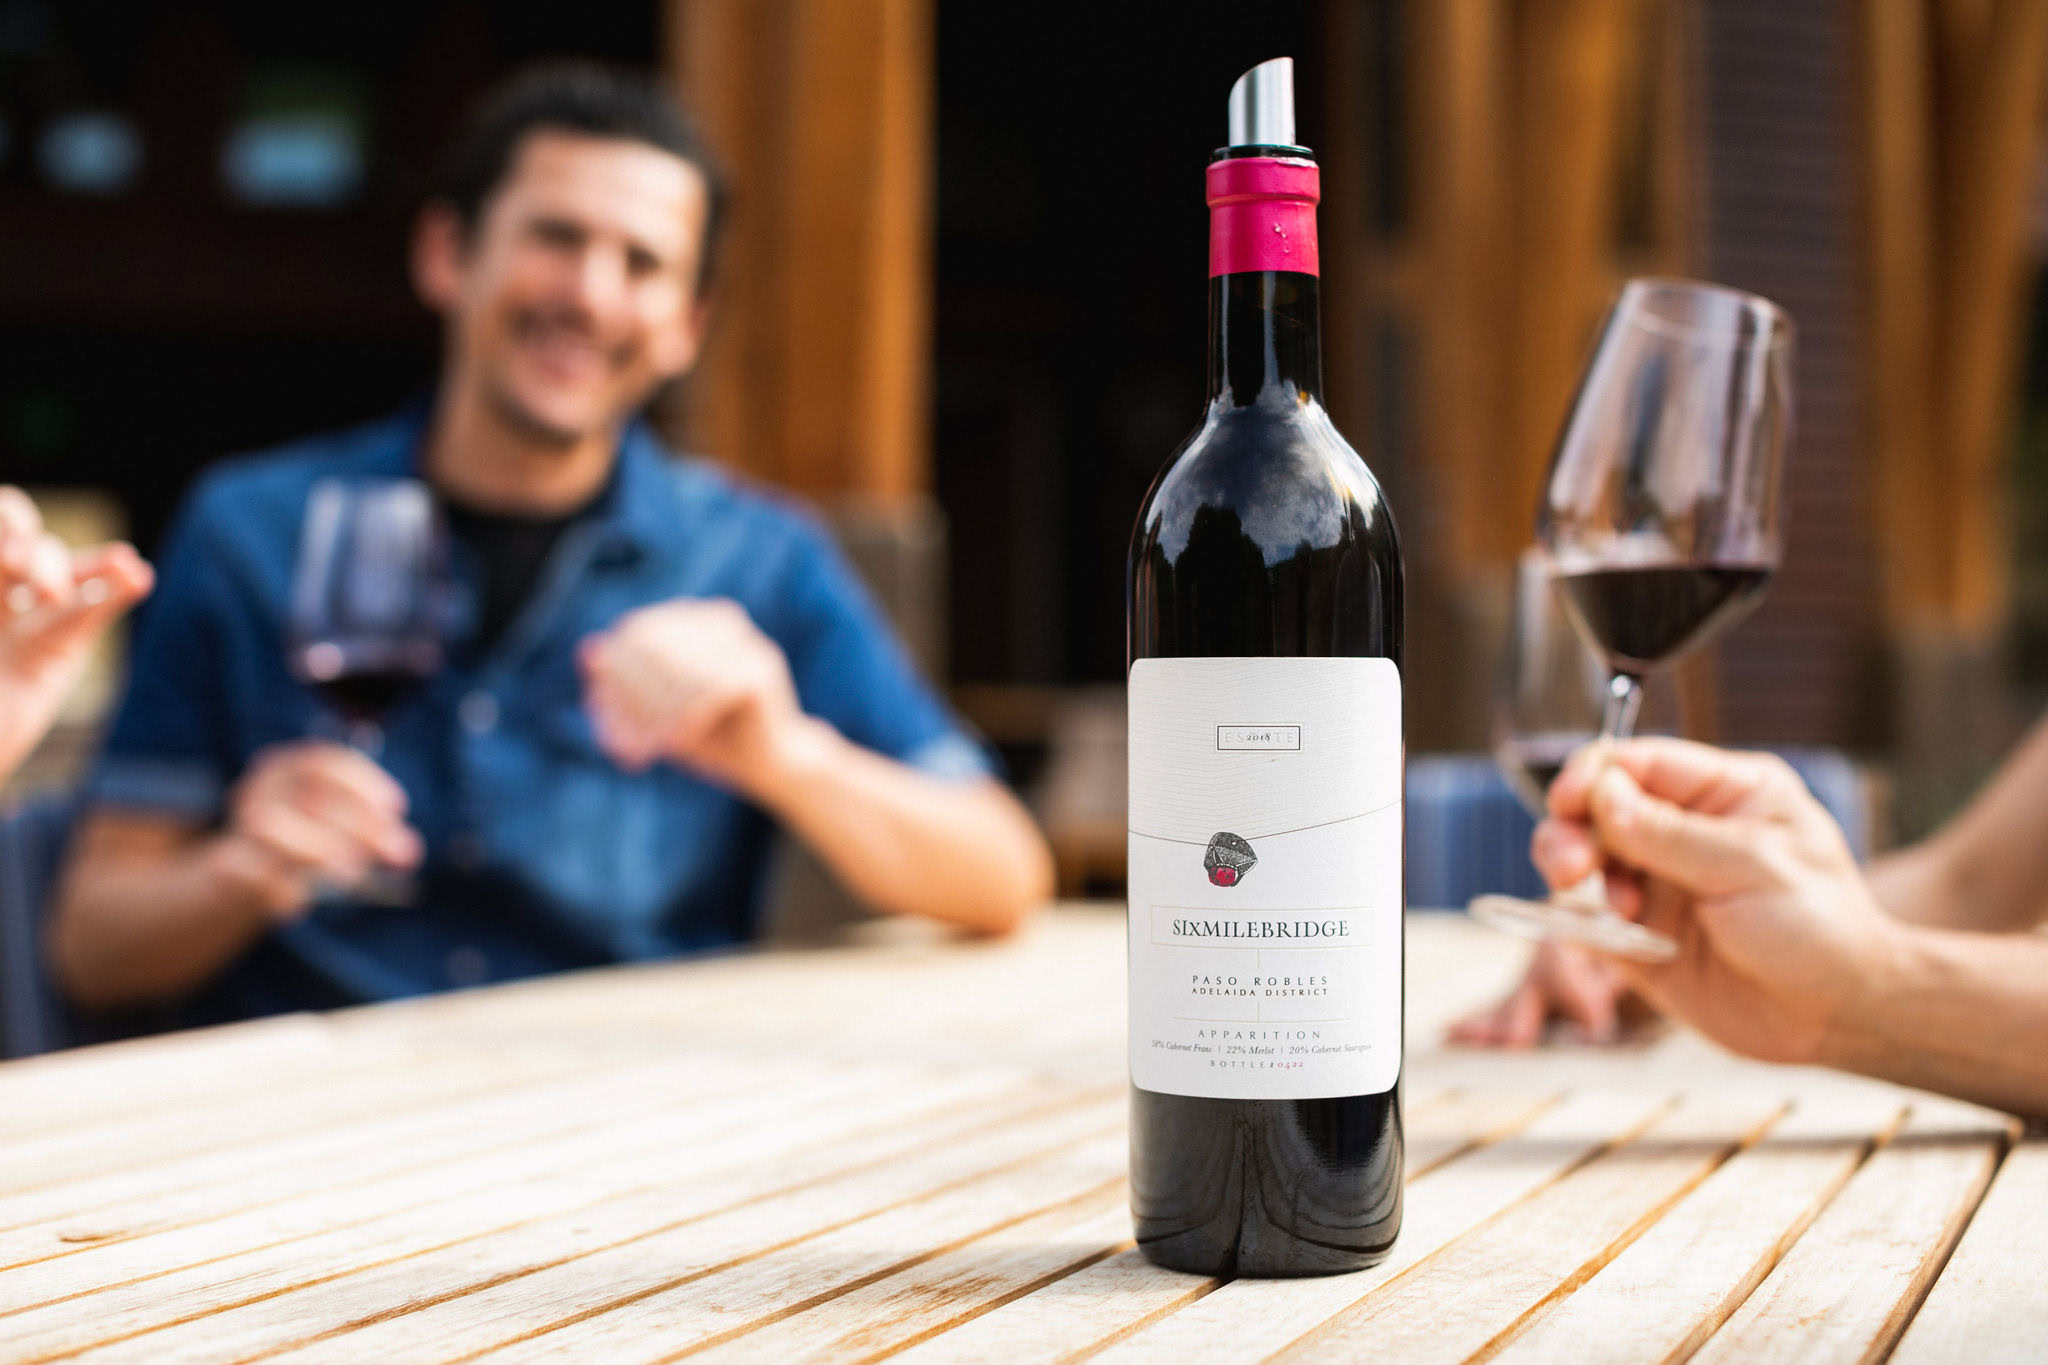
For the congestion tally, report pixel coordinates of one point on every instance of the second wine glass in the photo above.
(1552, 687)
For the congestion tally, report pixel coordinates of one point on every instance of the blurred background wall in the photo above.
(963, 307)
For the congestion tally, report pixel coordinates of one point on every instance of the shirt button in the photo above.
(468, 967)
(478, 713)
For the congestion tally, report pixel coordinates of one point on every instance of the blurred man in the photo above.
(657, 662)
(1927, 972)
(54, 603)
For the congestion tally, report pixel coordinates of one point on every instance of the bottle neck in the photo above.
(1265, 337)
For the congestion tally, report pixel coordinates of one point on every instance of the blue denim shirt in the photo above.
(542, 855)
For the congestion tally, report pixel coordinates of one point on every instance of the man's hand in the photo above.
(1564, 982)
(1778, 936)
(308, 815)
(53, 604)
(697, 684)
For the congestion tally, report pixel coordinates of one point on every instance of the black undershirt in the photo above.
(512, 550)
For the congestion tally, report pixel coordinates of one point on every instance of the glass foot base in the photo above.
(1597, 928)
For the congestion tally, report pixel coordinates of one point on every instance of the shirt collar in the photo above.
(638, 514)
(644, 508)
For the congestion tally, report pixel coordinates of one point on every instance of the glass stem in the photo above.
(1624, 700)
(1617, 721)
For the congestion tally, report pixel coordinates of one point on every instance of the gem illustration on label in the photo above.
(1228, 858)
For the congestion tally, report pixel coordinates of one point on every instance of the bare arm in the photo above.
(961, 851)
(695, 683)
(1960, 1013)
(150, 908)
(1987, 869)
(1783, 952)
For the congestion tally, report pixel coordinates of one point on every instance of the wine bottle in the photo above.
(1264, 606)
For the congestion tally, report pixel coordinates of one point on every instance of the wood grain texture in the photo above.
(1483, 1285)
(1663, 1295)
(1988, 1303)
(780, 1157)
(1847, 1288)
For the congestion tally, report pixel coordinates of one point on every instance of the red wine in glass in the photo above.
(368, 598)
(362, 682)
(1642, 617)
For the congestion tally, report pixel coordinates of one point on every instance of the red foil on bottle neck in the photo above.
(1262, 215)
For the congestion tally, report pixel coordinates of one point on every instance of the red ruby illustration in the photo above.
(1228, 858)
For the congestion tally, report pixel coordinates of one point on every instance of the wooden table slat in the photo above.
(1472, 1293)
(955, 1286)
(474, 1239)
(527, 1279)
(1670, 1289)
(1848, 1286)
(1464, 1121)
(563, 1167)
(1097, 1305)
(62, 1092)
(1988, 1304)
(388, 1084)
(209, 1184)
(749, 1293)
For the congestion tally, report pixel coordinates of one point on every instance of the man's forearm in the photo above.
(1965, 1014)
(1932, 885)
(135, 927)
(902, 840)
(1986, 869)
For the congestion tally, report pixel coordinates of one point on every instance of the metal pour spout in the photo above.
(1262, 105)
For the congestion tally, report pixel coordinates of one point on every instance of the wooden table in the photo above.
(915, 1149)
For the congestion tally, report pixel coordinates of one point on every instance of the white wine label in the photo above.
(1265, 877)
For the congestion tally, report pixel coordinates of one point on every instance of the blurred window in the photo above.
(300, 141)
(90, 152)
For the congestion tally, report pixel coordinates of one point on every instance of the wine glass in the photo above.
(367, 611)
(1661, 519)
(1552, 687)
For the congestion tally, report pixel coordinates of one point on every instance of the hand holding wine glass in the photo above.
(1779, 938)
(315, 815)
(367, 621)
(1661, 519)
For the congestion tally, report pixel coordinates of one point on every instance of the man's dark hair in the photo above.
(577, 97)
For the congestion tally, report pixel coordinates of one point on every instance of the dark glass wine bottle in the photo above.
(1264, 600)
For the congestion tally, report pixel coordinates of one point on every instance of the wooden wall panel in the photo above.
(1779, 216)
(817, 375)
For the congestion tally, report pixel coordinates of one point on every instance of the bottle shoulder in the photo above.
(1281, 469)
